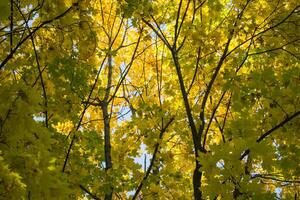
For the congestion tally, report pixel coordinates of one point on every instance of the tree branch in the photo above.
(88, 192)
(157, 145)
(266, 134)
(269, 132)
(10, 55)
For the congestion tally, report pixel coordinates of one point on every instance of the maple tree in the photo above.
(140, 99)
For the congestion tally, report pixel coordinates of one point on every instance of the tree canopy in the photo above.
(149, 99)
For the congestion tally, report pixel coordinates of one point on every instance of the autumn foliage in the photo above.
(149, 99)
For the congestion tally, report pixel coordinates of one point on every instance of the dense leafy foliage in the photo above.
(149, 99)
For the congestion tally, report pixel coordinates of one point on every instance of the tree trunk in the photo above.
(197, 181)
(196, 138)
(107, 147)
